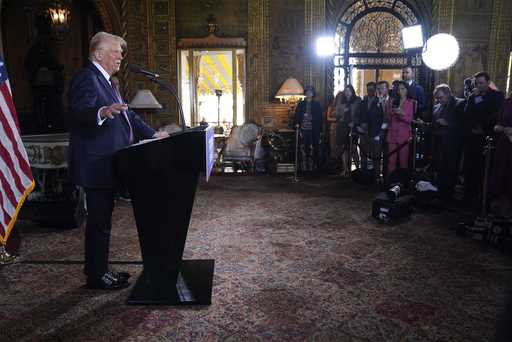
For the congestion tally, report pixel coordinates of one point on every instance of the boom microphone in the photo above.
(138, 70)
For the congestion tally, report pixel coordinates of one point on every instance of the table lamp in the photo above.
(146, 101)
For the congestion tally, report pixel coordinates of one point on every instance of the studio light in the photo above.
(325, 46)
(412, 37)
(441, 51)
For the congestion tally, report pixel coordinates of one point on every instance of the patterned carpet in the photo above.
(294, 262)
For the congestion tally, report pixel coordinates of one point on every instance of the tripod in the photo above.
(486, 226)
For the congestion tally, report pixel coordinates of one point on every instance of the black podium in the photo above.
(161, 177)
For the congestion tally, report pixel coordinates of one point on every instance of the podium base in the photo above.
(193, 286)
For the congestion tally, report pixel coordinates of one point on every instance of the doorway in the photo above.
(212, 86)
(369, 44)
(360, 77)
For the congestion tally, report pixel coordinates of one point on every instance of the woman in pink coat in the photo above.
(400, 114)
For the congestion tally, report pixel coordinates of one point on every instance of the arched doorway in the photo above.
(369, 43)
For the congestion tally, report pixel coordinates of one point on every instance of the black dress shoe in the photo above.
(107, 282)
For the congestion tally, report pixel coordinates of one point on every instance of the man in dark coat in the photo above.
(100, 125)
(447, 119)
(308, 115)
(371, 122)
(416, 91)
(480, 116)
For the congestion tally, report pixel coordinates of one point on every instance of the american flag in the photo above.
(16, 180)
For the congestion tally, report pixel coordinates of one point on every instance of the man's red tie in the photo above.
(118, 95)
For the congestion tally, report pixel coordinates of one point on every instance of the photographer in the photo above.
(480, 116)
(446, 138)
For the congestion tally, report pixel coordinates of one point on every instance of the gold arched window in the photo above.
(369, 42)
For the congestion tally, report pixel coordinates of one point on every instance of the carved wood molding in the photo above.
(110, 16)
(315, 20)
(500, 42)
(258, 68)
(211, 41)
(443, 13)
(162, 51)
(114, 17)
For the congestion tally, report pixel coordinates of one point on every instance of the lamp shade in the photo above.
(290, 88)
(144, 99)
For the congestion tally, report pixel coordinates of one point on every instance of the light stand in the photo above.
(219, 129)
(482, 226)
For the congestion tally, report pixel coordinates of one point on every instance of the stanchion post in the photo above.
(488, 153)
(295, 178)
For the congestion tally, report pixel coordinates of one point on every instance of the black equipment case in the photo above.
(386, 210)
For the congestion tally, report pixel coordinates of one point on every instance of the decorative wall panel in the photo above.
(287, 40)
(500, 42)
(258, 64)
(314, 73)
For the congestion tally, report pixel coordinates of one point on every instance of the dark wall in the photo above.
(191, 17)
(287, 42)
(29, 45)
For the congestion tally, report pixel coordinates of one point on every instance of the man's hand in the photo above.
(113, 109)
(161, 134)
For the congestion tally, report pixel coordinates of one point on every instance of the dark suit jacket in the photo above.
(92, 147)
(417, 93)
(372, 116)
(482, 111)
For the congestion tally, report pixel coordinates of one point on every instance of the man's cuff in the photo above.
(99, 119)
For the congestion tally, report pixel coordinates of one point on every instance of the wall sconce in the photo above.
(145, 100)
(59, 12)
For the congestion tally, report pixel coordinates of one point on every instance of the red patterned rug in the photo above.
(294, 262)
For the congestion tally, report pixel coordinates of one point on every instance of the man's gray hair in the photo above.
(98, 40)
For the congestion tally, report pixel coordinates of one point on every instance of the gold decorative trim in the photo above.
(211, 41)
(150, 5)
(258, 76)
(443, 13)
(173, 50)
(314, 71)
(499, 42)
(110, 15)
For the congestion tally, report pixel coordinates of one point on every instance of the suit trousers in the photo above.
(100, 204)
(474, 166)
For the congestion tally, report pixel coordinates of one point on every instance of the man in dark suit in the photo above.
(416, 91)
(100, 125)
(480, 116)
(447, 119)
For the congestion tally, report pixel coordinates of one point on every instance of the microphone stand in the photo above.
(173, 93)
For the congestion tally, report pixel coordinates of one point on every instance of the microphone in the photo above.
(138, 70)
